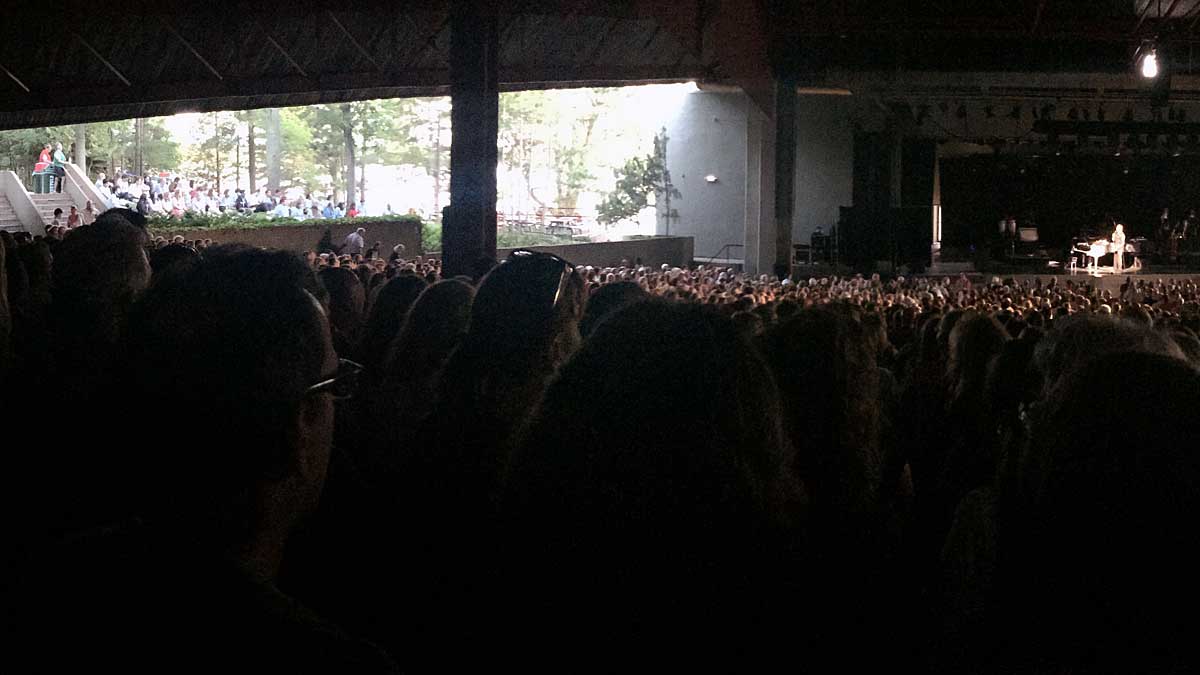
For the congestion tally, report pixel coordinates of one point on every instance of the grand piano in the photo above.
(1096, 249)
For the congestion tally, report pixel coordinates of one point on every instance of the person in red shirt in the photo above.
(352, 212)
(44, 160)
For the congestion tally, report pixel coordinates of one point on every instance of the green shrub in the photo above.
(238, 221)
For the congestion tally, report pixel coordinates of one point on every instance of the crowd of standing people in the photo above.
(340, 462)
(174, 196)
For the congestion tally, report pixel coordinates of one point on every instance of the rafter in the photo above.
(103, 60)
(275, 43)
(188, 45)
(365, 54)
(1142, 17)
(14, 78)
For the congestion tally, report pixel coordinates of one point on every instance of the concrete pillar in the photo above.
(469, 222)
(760, 238)
(785, 174)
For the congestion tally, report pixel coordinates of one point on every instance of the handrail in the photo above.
(18, 198)
(81, 190)
(725, 248)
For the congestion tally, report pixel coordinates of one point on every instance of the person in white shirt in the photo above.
(280, 211)
(355, 242)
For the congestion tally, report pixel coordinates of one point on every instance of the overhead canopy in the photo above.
(88, 62)
(76, 61)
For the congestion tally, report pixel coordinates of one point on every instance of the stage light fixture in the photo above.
(710, 178)
(1149, 65)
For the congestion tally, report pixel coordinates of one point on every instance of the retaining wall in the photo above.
(675, 251)
(303, 238)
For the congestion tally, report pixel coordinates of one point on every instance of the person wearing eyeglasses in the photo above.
(242, 341)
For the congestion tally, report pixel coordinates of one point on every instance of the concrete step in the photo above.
(11, 226)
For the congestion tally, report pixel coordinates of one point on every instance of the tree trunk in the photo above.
(274, 150)
(437, 169)
(139, 131)
(81, 146)
(252, 163)
(217, 150)
(362, 181)
(348, 137)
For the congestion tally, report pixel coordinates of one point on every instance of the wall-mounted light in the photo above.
(1149, 65)
(710, 178)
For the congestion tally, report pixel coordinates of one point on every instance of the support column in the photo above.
(785, 173)
(469, 222)
(759, 252)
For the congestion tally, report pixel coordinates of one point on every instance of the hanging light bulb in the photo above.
(1150, 64)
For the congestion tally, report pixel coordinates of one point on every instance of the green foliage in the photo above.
(235, 221)
(636, 181)
(212, 154)
(110, 144)
(327, 144)
(553, 132)
(295, 156)
(431, 236)
(506, 239)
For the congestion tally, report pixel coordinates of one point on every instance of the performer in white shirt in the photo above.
(1118, 246)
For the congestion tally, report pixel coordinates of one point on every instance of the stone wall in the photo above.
(303, 238)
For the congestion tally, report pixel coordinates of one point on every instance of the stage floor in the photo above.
(1105, 281)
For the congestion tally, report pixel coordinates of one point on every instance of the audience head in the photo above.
(242, 338)
(388, 310)
(609, 299)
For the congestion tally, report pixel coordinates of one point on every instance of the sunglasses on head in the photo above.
(341, 384)
(563, 279)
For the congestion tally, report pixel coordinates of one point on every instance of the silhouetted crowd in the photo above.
(235, 459)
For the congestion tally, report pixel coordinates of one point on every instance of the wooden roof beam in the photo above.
(188, 45)
(357, 45)
(14, 78)
(103, 60)
(275, 43)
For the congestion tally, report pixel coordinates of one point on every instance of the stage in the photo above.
(1104, 281)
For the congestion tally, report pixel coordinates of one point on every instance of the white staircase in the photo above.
(46, 203)
(8, 218)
